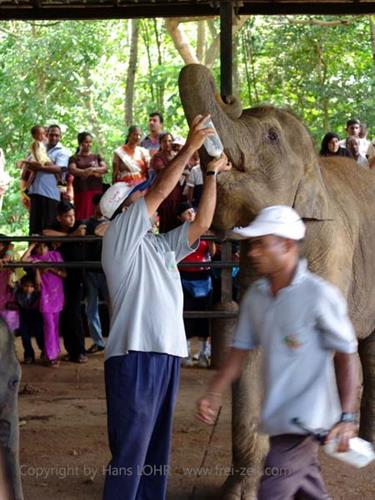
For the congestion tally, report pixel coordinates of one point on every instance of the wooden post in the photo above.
(226, 48)
(222, 329)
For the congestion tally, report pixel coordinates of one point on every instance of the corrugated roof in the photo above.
(91, 9)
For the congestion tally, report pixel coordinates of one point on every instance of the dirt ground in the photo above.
(64, 447)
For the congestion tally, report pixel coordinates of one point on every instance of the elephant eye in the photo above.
(272, 136)
(12, 384)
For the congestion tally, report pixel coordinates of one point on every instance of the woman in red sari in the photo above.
(130, 161)
(88, 170)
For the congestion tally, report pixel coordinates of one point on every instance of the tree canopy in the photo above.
(102, 76)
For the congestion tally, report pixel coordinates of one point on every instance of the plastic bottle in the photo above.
(360, 452)
(213, 144)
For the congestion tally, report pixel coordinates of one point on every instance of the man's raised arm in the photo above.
(169, 177)
(207, 203)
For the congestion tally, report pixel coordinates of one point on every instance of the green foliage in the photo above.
(74, 74)
(324, 73)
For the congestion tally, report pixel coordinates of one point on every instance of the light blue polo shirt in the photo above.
(299, 330)
(45, 183)
(144, 284)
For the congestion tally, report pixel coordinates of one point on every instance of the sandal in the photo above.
(54, 363)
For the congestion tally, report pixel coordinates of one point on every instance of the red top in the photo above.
(201, 254)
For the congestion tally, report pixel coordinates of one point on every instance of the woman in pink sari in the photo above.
(51, 297)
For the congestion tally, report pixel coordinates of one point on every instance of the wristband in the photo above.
(211, 172)
(348, 417)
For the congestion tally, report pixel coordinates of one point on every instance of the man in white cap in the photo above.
(300, 321)
(147, 337)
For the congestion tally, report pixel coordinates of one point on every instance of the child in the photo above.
(38, 150)
(8, 311)
(51, 297)
(27, 298)
(197, 287)
(38, 153)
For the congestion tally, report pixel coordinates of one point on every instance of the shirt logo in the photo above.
(292, 341)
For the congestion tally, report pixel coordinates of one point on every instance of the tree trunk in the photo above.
(180, 41)
(372, 31)
(322, 75)
(146, 39)
(93, 116)
(132, 68)
(214, 49)
(201, 40)
(160, 84)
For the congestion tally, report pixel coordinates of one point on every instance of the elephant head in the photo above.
(273, 157)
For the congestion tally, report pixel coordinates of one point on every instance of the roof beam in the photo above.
(115, 9)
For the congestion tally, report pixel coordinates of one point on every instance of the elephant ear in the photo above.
(311, 200)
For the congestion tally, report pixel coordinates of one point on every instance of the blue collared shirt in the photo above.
(45, 183)
(299, 331)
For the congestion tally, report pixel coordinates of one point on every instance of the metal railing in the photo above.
(226, 264)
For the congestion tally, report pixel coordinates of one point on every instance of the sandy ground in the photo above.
(64, 447)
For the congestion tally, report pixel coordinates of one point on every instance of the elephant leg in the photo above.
(5, 484)
(249, 448)
(10, 482)
(367, 355)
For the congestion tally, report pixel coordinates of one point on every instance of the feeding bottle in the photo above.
(360, 452)
(212, 143)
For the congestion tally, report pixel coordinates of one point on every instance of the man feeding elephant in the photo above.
(300, 321)
(147, 337)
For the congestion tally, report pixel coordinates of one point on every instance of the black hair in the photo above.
(54, 126)
(156, 113)
(353, 121)
(64, 206)
(131, 129)
(35, 128)
(96, 198)
(164, 134)
(324, 151)
(182, 207)
(29, 277)
(81, 137)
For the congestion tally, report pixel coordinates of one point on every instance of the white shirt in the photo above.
(195, 177)
(299, 330)
(144, 284)
(363, 145)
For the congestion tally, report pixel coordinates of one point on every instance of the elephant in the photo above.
(10, 375)
(275, 163)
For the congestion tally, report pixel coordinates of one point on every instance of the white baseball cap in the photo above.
(117, 194)
(279, 220)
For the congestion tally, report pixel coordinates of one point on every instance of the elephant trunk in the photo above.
(199, 96)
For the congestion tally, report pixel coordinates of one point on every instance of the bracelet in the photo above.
(348, 417)
(211, 172)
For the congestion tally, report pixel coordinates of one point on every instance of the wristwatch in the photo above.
(348, 417)
(211, 172)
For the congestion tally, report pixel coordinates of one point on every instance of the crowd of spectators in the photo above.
(62, 193)
(356, 145)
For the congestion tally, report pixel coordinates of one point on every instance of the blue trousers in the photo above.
(96, 285)
(141, 389)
